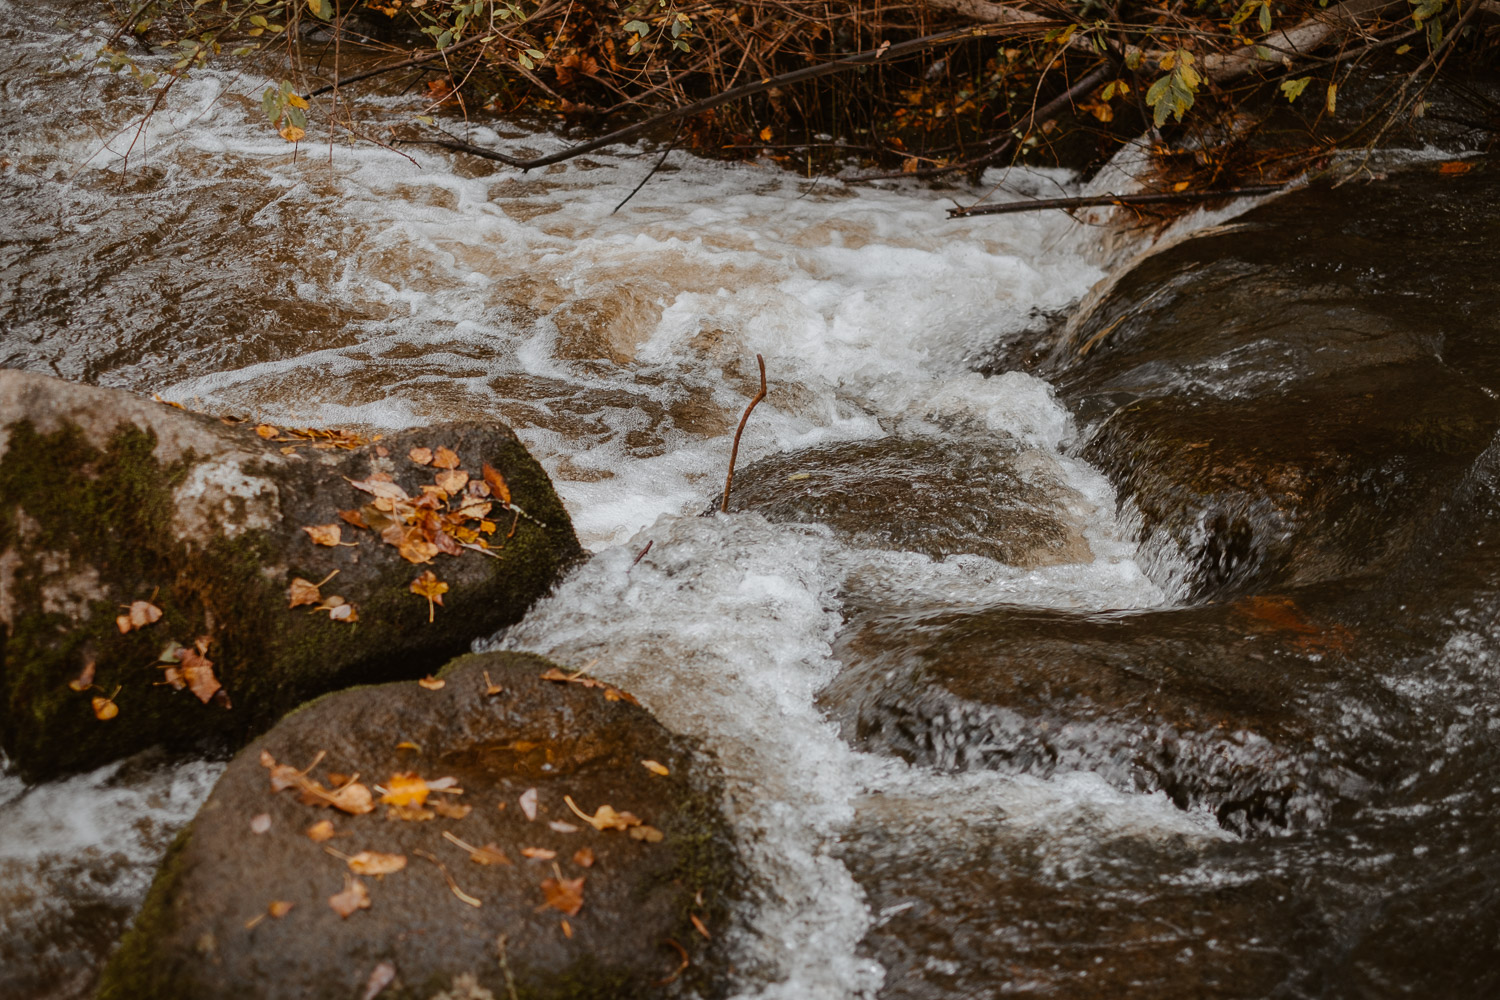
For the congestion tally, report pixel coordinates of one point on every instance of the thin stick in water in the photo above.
(735, 451)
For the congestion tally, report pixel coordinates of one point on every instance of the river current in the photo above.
(202, 258)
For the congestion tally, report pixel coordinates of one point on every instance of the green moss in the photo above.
(135, 971)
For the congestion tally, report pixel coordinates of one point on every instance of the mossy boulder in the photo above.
(498, 729)
(939, 497)
(107, 499)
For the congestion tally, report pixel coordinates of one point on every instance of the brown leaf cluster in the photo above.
(611, 693)
(189, 667)
(350, 796)
(138, 614)
(450, 515)
(311, 437)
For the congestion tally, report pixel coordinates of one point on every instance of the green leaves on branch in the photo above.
(286, 109)
(1250, 7)
(1293, 88)
(1173, 93)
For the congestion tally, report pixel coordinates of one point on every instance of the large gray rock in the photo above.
(498, 729)
(107, 499)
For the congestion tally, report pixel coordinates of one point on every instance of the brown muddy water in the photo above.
(1101, 613)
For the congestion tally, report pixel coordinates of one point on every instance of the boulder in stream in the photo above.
(169, 578)
(516, 831)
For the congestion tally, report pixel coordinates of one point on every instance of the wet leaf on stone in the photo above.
(538, 853)
(564, 894)
(105, 708)
(451, 481)
(611, 693)
(376, 863)
(380, 489)
(451, 810)
(138, 614)
(528, 803)
(325, 534)
(405, 790)
(198, 673)
(499, 489)
(655, 768)
(353, 518)
(649, 834)
(320, 831)
(302, 592)
(429, 586)
(422, 456)
(354, 897)
(85, 679)
(432, 683)
(605, 817)
(445, 458)
(584, 857)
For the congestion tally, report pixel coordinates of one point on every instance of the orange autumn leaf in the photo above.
(138, 615)
(564, 894)
(266, 431)
(198, 671)
(698, 925)
(353, 518)
(422, 456)
(429, 586)
(499, 489)
(85, 680)
(432, 683)
(105, 708)
(649, 834)
(1455, 167)
(416, 549)
(405, 790)
(320, 831)
(279, 908)
(451, 480)
(583, 857)
(325, 534)
(302, 592)
(445, 458)
(354, 897)
(538, 853)
(605, 817)
(376, 863)
(655, 768)
(451, 810)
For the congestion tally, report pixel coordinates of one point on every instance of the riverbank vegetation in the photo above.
(1224, 92)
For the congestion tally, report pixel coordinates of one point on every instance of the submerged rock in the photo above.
(1231, 711)
(148, 555)
(935, 497)
(1290, 398)
(553, 907)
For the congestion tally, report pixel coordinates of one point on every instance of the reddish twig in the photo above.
(735, 451)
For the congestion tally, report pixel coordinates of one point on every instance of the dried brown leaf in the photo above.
(302, 592)
(451, 481)
(538, 853)
(605, 817)
(432, 683)
(489, 854)
(445, 458)
(584, 857)
(451, 810)
(353, 517)
(85, 679)
(279, 908)
(266, 431)
(380, 489)
(320, 831)
(138, 615)
(422, 456)
(354, 897)
(353, 798)
(655, 767)
(376, 863)
(325, 534)
(499, 489)
(429, 586)
(649, 834)
(564, 894)
(198, 672)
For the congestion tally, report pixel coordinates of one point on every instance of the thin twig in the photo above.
(415, 61)
(655, 167)
(1088, 201)
(735, 451)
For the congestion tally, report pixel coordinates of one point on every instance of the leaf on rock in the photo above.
(385, 973)
(489, 854)
(85, 679)
(698, 925)
(279, 908)
(422, 456)
(605, 817)
(528, 803)
(538, 853)
(584, 857)
(353, 517)
(564, 894)
(138, 615)
(416, 549)
(198, 672)
(320, 831)
(559, 826)
(354, 897)
(105, 708)
(266, 431)
(429, 586)
(445, 458)
(302, 592)
(567, 930)
(409, 814)
(325, 534)
(499, 489)
(339, 610)
(451, 810)
(451, 481)
(353, 798)
(655, 768)
(490, 687)
(405, 790)
(432, 683)
(379, 489)
(649, 834)
(376, 863)
(611, 693)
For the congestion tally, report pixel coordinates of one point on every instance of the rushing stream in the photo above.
(987, 729)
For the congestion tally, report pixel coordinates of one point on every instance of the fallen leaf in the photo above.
(325, 534)
(353, 798)
(380, 976)
(422, 456)
(445, 458)
(490, 687)
(266, 431)
(605, 817)
(431, 683)
(499, 489)
(380, 489)
(649, 834)
(320, 831)
(279, 908)
(610, 693)
(260, 823)
(353, 517)
(293, 133)
(1455, 167)
(583, 857)
(567, 930)
(354, 897)
(416, 549)
(405, 790)
(302, 592)
(375, 863)
(198, 672)
(429, 586)
(528, 803)
(105, 709)
(138, 615)
(451, 481)
(655, 768)
(698, 924)
(451, 810)
(538, 853)
(489, 854)
(564, 894)
(85, 680)
(341, 612)
(561, 827)
(409, 814)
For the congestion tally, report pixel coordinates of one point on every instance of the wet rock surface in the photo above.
(207, 931)
(1288, 398)
(936, 497)
(107, 500)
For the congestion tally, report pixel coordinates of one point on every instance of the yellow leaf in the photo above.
(297, 102)
(138, 615)
(432, 683)
(405, 789)
(375, 863)
(292, 133)
(320, 831)
(266, 431)
(1332, 100)
(538, 853)
(445, 458)
(605, 817)
(655, 768)
(279, 908)
(565, 894)
(325, 534)
(429, 586)
(765, 134)
(1180, 186)
(302, 592)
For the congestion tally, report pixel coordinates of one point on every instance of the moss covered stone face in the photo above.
(517, 747)
(107, 499)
